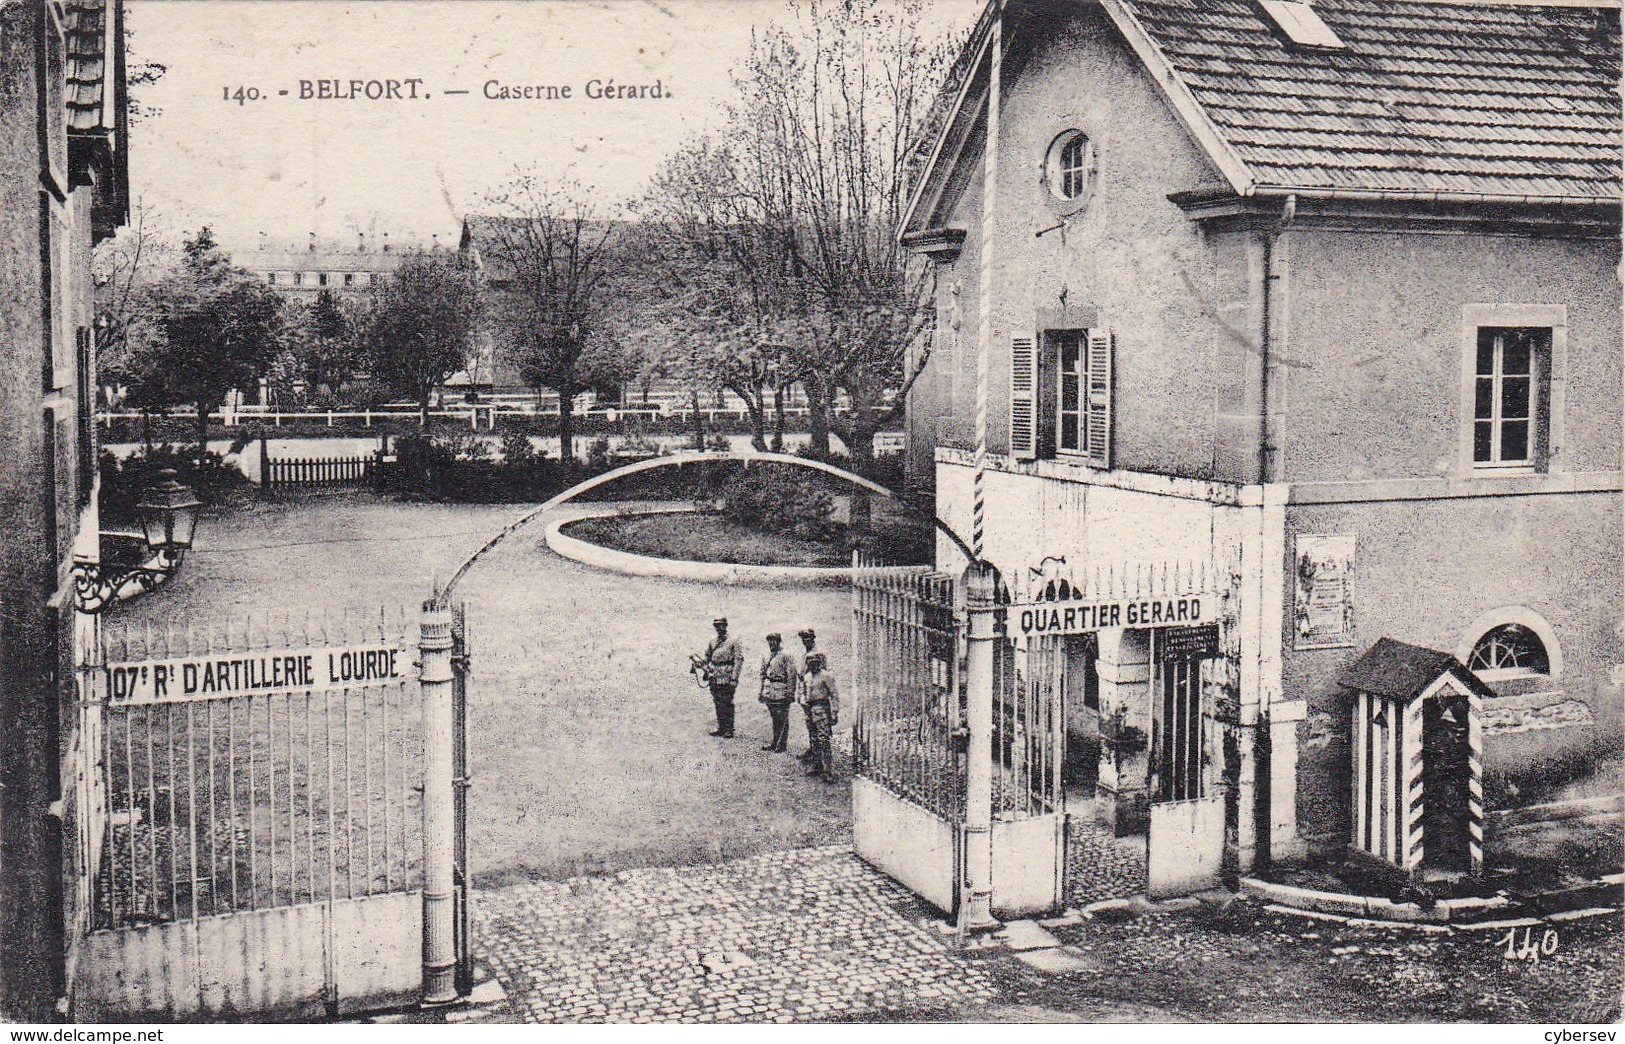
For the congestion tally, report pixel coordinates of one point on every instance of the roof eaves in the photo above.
(979, 42)
(1183, 100)
(1430, 196)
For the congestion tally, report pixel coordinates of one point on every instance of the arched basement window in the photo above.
(1511, 650)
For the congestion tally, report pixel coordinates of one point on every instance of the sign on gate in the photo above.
(293, 670)
(1185, 610)
(1160, 594)
(261, 850)
(1189, 643)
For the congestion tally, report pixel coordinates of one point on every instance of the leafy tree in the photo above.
(324, 350)
(551, 256)
(420, 327)
(217, 329)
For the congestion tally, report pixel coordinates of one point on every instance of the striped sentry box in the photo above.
(1475, 782)
(1414, 803)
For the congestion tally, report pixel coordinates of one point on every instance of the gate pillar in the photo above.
(439, 817)
(1124, 669)
(981, 586)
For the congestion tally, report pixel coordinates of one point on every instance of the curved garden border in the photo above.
(625, 562)
(1446, 915)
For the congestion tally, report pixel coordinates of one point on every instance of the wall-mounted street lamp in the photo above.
(168, 516)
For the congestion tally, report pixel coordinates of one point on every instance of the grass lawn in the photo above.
(704, 538)
(587, 735)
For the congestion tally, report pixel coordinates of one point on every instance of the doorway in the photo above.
(1445, 786)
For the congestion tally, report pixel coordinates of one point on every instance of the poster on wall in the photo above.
(1324, 612)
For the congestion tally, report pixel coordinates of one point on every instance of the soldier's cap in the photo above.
(816, 658)
(723, 620)
(807, 634)
(775, 637)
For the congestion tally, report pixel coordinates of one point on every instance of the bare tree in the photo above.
(548, 257)
(787, 233)
(123, 271)
(724, 297)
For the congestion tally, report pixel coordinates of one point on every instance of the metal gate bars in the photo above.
(918, 776)
(278, 824)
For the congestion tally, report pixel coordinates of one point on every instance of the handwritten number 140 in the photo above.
(1529, 950)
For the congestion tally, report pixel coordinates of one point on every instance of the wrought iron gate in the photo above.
(1029, 809)
(260, 849)
(910, 746)
(908, 715)
(1185, 841)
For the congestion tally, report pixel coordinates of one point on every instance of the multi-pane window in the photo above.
(1073, 369)
(1073, 168)
(1510, 649)
(299, 279)
(1068, 166)
(1061, 395)
(1507, 395)
(322, 279)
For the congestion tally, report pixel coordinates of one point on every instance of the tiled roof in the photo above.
(1485, 99)
(320, 260)
(485, 235)
(86, 25)
(1401, 672)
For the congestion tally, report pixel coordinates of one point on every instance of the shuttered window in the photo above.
(1078, 365)
(1097, 445)
(1023, 398)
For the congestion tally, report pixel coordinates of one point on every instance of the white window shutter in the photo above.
(1098, 405)
(1023, 398)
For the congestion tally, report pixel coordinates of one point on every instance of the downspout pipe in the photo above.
(1266, 336)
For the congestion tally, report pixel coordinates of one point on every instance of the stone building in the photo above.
(301, 271)
(1328, 296)
(63, 173)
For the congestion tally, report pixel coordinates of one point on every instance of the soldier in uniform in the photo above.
(778, 691)
(823, 713)
(809, 645)
(722, 661)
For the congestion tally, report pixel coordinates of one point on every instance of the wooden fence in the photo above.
(304, 472)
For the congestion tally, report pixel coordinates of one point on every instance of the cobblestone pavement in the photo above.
(1100, 866)
(790, 936)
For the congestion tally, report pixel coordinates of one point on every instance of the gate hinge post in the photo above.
(982, 624)
(435, 676)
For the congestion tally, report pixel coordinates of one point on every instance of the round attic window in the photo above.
(1069, 168)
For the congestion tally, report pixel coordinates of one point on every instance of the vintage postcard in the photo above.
(811, 511)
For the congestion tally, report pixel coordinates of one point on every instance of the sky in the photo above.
(288, 165)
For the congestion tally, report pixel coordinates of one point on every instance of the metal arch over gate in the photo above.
(676, 460)
(258, 849)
